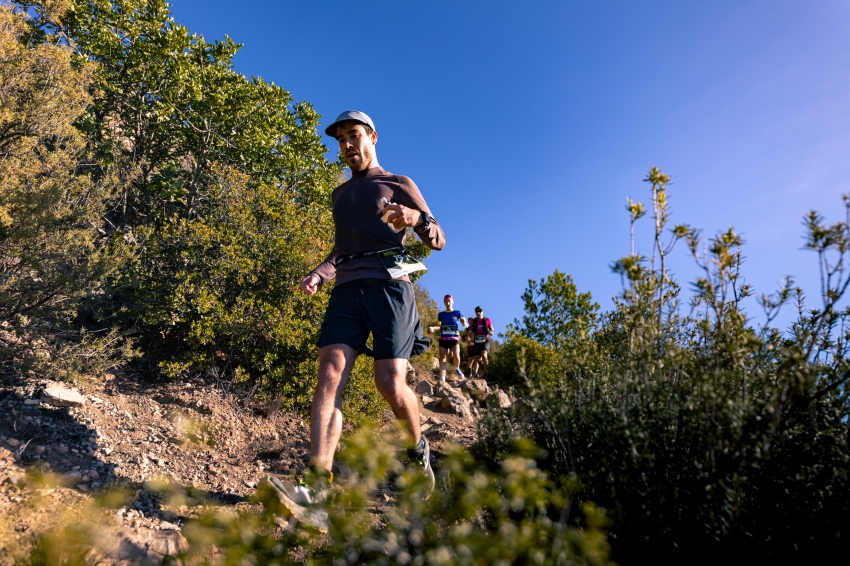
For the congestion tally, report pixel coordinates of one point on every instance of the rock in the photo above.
(251, 484)
(142, 546)
(167, 526)
(31, 402)
(13, 442)
(40, 449)
(422, 418)
(435, 420)
(444, 390)
(107, 451)
(499, 399)
(477, 388)
(168, 516)
(72, 478)
(426, 399)
(425, 388)
(59, 396)
(457, 405)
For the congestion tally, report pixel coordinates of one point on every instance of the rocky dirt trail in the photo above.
(211, 442)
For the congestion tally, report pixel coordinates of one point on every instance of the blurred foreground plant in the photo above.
(512, 515)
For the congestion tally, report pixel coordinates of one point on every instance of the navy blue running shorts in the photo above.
(482, 347)
(384, 307)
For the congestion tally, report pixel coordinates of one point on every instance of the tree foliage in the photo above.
(169, 109)
(51, 254)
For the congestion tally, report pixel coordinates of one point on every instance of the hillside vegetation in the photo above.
(157, 209)
(701, 431)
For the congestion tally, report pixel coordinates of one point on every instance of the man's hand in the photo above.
(309, 284)
(402, 216)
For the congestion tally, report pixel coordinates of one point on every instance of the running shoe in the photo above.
(420, 457)
(304, 493)
(295, 502)
(459, 374)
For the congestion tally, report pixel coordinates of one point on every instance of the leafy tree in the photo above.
(169, 108)
(51, 254)
(555, 312)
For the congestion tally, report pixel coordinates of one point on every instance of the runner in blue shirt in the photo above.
(451, 324)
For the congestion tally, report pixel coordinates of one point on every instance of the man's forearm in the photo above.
(326, 270)
(431, 235)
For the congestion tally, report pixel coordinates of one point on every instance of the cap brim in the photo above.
(331, 130)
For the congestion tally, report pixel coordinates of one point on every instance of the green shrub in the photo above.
(518, 355)
(221, 292)
(701, 434)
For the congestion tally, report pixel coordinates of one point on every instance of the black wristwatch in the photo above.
(426, 220)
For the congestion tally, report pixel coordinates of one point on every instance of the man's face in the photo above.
(449, 303)
(356, 145)
(479, 314)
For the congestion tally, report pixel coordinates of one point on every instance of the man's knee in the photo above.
(335, 363)
(390, 382)
(393, 392)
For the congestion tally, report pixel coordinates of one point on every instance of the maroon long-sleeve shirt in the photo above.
(357, 209)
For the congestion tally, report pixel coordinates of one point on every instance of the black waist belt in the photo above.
(348, 257)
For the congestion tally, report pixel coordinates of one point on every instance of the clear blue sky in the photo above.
(527, 124)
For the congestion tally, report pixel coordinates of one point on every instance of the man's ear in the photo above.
(374, 137)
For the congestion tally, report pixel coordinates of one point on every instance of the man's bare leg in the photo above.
(443, 353)
(483, 362)
(392, 385)
(455, 352)
(335, 363)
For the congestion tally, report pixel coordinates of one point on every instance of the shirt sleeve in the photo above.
(326, 270)
(431, 235)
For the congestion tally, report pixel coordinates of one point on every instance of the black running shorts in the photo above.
(482, 347)
(448, 344)
(384, 307)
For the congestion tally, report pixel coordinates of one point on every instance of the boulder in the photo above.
(457, 405)
(59, 396)
(444, 390)
(138, 546)
(425, 388)
(499, 399)
(476, 388)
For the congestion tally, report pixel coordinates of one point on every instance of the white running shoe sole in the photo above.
(429, 471)
(312, 518)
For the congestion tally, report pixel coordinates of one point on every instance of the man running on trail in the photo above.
(450, 329)
(481, 329)
(372, 294)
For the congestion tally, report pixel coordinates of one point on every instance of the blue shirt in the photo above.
(450, 325)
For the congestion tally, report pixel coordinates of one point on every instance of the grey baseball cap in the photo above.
(355, 115)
